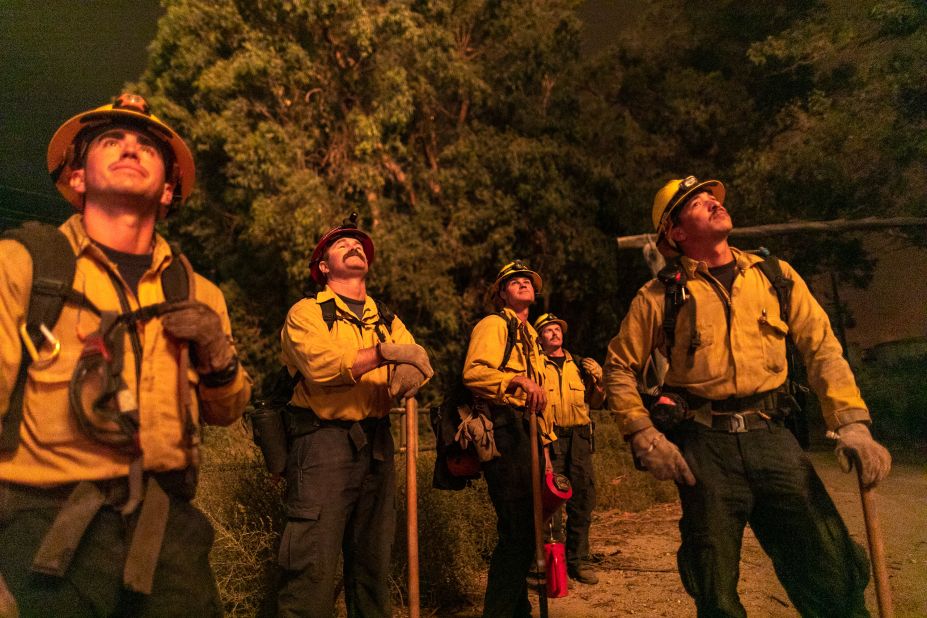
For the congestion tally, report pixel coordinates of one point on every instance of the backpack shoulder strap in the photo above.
(772, 269)
(386, 315)
(673, 278)
(53, 267)
(177, 278)
(511, 337)
(328, 312)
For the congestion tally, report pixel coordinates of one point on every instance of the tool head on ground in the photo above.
(347, 228)
(68, 146)
(670, 198)
(556, 489)
(511, 270)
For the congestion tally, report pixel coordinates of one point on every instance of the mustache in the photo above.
(357, 252)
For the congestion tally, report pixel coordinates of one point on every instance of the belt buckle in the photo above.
(737, 423)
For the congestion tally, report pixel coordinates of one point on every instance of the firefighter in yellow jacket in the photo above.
(574, 385)
(506, 388)
(354, 357)
(101, 405)
(721, 435)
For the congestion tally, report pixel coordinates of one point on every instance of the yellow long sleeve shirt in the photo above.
(326, 357)
(52, 448)
(742, 346)
(481, 371)
(569, 398)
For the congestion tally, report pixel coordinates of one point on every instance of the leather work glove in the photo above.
(8, 608)
(200, 325)
(855, 445)
(406, 354)
(405, 381)
(661, 457)
(594, 369)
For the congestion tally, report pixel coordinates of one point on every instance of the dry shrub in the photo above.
(619, 485)
(246, 510)
(456, 528)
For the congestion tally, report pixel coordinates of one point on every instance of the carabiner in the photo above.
(30, 346)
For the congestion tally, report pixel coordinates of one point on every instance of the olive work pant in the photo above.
(571, 456)
(763, 478)
(341, 489)
(184, 584)
(509, 482)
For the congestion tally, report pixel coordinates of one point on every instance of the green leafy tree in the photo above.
(445, 124)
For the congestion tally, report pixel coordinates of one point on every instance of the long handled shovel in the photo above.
(876, 546)
(412, 504)
(541, 565)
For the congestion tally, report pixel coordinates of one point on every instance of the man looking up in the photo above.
(508, 390)
(100, 404)
(574, 385)
(353, 357)
(716, 314)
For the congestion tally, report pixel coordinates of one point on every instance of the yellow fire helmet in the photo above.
(70, 140)
(549, 318)
(674, 194)
(515, 269)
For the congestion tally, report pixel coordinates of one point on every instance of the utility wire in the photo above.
(48, 196)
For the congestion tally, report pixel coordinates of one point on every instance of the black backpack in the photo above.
(673, 278)
(445, 418)
(53, 268)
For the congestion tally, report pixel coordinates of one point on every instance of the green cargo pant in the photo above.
(763, 478)
(571, 455)
(184, 584)
(341, 490)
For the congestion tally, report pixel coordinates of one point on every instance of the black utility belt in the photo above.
(301, 421)
(502, 414)
(180, 484)
(767, 402)
(733, 415)
(741, 422)
(584, 431)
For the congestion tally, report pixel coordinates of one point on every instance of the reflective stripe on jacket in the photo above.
(52, 448)
(741, 349)
(325, 359)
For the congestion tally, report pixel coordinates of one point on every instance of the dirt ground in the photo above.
(638, 576)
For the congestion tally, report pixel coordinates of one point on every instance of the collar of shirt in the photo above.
(76, 234)
(743, 259)
(370, 307)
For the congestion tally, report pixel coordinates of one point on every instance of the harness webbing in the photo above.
(53, 266)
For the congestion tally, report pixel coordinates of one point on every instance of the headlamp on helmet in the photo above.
(68, 145)
(349, 228)
(546, 319)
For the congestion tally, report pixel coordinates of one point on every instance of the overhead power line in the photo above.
(837, 225)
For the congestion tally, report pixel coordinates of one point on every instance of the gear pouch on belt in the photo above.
(668, 411)
(270, 436)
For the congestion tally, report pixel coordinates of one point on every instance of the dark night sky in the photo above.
(61, 57)
(58, 58)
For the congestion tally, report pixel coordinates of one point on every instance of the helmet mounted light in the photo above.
(347, 228)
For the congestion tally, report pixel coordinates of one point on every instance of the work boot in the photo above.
(583, 574)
